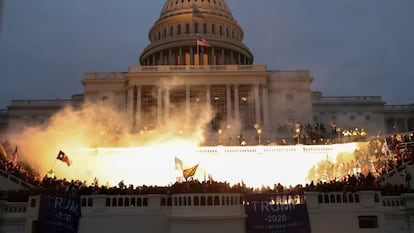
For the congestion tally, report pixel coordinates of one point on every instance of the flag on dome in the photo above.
(202, 42)
(64, 158)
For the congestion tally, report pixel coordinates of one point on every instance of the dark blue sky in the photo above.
(352, 47)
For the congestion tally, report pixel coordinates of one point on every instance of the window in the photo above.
(289, 97)
(367, 117)
(171, 31)
(179, 29)
(368, 221)
(213, 29)
(352, 118)
(205, 28)
(196, 27)
(187, 28)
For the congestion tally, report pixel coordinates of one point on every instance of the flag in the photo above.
(64, 158)
(178, 164)
(189, 172)
(15, 155)
(202, 42)
(3, 153)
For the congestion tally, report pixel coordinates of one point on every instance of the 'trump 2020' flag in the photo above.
(64, 158)
(59, 214)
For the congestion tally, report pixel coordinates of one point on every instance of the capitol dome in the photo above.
(214, 6)
(173, 37)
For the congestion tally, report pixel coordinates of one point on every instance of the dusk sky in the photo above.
(350, 47)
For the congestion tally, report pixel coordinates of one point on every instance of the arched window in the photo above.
(216, 200)
(90, 202)
(338, 198)
(195, 27)
(326, 198)
(196, 201)
(209, 201)
(179, 29)
(187, 28)
(351, 198)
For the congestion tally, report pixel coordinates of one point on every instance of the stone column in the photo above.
(159, 107)
(170, 57)
(129, 102)
(236, 103)
(265, 105)
(187, 104)
(167, 105)
(257, 102)
(208, 96)
(211, 58)
(228, 103)
(222, 57)
(191, 56)
(180, 54)
(138, 113)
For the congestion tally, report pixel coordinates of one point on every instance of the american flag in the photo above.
(202, 42)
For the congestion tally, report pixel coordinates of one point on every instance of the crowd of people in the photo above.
(392, 155)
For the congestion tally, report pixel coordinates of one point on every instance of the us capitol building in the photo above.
(196, 59)
(196, 62)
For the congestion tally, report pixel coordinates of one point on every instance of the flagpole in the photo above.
(53, 166)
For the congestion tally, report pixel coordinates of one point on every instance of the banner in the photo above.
(276, 213)
(59, 214)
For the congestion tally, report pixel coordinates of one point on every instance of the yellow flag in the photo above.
(189, 172)
(3, 153)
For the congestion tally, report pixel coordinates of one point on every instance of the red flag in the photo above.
(202, 42)
(15, 155)
(64, 158)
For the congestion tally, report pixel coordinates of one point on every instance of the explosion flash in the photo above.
(99, 144)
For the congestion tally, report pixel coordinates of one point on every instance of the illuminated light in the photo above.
(254, 165)
(147, 157)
